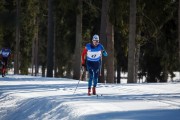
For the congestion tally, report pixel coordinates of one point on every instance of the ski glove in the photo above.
(83, 65)
(104, 53)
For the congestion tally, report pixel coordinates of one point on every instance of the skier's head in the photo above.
(95, 40)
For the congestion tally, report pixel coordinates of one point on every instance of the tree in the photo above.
(77, 58)
(110, 50)
(16, 59)
(65, 37)
(50, 44)
(103, 37)
(35, 48)
(42, 35)
(28, 15)
(119, 16)
(179, 30)
(159, 39)
(132, 37)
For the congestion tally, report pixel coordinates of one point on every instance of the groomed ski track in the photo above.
(37, 98)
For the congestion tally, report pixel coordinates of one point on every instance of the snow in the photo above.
(42, 98)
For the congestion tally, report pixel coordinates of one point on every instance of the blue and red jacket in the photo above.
(92, 53)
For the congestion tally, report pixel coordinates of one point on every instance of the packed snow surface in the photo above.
(42, 98)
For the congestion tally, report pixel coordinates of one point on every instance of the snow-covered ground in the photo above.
(38, 98)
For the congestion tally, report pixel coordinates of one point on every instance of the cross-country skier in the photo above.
(4, 54)
(91, 59)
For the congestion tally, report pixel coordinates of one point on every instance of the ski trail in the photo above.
(49, 99)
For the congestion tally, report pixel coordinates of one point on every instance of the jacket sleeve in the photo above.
(83, 56)
(104, 51)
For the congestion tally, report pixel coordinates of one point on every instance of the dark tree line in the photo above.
(141, 36)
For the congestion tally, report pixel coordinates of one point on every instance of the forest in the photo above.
(141, 37)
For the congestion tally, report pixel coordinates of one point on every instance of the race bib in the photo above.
(5, 54)
(93, 56)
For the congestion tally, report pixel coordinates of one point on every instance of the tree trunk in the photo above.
(50, 44)
(137, 62)
(103, 37)
(16, 59)
(77, 58)
(43, 70)
(32, 58)
(131, 44)
(36, 46)
(179, 32)
(110, 51)
(118, 73)
(55, 47)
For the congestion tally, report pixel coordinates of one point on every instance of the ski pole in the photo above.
(82, 70)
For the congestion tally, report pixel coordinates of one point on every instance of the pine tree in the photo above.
(77, 60)
(132, 36)
(50, 44)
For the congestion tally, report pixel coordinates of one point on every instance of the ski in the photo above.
(97, 95)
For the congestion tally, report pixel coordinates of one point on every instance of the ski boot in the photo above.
(89, 91)
(94, 90)
(3, 71)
